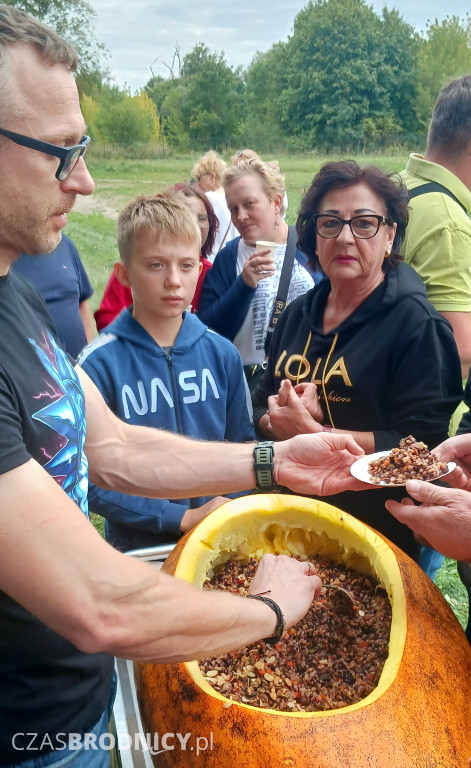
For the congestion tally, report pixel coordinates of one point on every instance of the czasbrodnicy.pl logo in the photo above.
(150, 742)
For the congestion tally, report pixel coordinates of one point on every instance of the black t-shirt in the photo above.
(47, 686)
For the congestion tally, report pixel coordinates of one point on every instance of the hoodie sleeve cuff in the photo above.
(171, 521)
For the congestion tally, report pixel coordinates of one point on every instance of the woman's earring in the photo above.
(388, 253)
(276, 221)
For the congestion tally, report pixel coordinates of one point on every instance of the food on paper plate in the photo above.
(411, 461)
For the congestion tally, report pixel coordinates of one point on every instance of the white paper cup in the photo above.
(265, 244)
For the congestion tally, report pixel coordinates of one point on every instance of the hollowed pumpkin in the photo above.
(419, 715)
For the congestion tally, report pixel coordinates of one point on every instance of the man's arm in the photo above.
(101, 600)
(87, 320)
(461, 324)
(151, 462)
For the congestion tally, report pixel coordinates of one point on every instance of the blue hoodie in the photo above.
(196, 389)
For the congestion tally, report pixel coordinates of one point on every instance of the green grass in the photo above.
(99, 523)
(449, 583)
(95, 238)
(120, 178)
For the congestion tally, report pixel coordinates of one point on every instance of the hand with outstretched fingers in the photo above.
(318, 465)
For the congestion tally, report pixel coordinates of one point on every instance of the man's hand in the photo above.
(290, 414)
(443, 519)
(194, 516)
(317, 464)
(457, 449)
(290, 583)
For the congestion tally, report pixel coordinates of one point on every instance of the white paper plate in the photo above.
(359, 469)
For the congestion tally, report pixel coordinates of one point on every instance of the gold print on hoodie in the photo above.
(297, 368)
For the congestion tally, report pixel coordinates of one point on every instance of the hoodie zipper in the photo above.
(168, 357)
(192, 502)
(327, 361)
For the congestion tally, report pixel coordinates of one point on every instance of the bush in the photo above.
(133, 120)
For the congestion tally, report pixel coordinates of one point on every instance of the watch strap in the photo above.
(280, 619)
(264, 468)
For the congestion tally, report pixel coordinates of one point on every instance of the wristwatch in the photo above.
(263, 466)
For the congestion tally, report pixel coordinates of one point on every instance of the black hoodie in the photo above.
(391, 368)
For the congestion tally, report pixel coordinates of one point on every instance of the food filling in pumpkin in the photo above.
(332, 658)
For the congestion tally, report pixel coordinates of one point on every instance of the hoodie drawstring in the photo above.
(304, 357)
(323, 378)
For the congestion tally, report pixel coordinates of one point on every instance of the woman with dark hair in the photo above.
(209, 226)
(364, 352)
(117, 296)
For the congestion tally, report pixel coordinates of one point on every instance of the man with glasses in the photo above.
(68, 156)
(67, 598)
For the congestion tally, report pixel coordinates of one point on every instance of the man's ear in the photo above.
(200, 267)
(121, 273)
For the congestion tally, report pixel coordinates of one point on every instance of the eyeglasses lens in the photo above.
(71, 162)
(363, 227)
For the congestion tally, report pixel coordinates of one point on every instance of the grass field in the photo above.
(117, 180)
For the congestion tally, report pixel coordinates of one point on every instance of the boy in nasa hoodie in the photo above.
(158, 365)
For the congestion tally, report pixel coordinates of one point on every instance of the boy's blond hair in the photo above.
(273, 181)
(164, 213)
(209, 163)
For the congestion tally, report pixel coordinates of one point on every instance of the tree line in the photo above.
(347, 79)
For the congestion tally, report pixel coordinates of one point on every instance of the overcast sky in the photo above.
(141, 34)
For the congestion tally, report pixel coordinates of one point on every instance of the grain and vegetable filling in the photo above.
(411, 461)
(332, 658)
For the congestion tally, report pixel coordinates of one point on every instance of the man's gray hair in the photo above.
(18, 28)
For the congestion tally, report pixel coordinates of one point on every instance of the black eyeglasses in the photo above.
(69, 156)
(362, 227)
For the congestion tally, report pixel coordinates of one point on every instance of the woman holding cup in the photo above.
(240, 290)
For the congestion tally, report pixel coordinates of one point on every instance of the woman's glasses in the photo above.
(69, 156)
(362, 227)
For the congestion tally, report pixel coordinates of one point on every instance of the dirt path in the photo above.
(95, 204)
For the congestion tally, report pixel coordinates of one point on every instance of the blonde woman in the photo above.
(250, 154)
(208, 173)
(238, 294)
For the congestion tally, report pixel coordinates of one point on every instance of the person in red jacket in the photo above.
(117, 296)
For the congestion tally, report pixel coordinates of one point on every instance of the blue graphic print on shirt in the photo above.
(66, 416)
